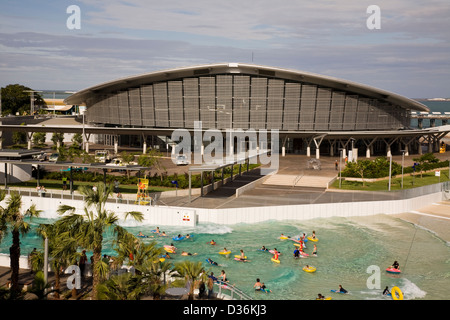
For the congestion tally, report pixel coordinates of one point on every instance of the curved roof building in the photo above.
(244, 96)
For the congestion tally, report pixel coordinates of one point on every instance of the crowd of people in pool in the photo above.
(259, 286)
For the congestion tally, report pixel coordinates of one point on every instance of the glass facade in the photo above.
(244, 101)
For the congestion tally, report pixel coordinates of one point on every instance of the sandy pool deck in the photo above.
(435, 217)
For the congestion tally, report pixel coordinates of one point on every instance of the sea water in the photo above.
(347, 250)
(434, 106)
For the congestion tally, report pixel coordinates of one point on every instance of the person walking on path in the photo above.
(210, 287)
(82, 262)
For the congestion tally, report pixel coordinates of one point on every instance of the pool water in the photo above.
(347, 247)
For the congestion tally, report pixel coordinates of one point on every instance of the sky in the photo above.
(409, 54)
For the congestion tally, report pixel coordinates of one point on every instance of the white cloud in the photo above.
(118, 38)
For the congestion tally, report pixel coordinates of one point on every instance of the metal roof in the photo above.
(236, 68)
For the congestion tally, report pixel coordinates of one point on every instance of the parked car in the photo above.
(102, 156)
(182, 160)
(53, 157)
(40, 157)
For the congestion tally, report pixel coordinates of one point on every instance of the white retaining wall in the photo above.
(155, 215)
(311, 211)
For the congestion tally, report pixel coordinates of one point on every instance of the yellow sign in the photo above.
(143, 184)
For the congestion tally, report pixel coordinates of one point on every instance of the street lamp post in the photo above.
(403, 163)
(340, 171)
(390, 171)
(31, 100)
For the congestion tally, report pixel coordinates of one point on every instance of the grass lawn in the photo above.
(383, 185)
(57, 184)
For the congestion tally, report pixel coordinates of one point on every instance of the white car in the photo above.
(182, 160)
(54, 157)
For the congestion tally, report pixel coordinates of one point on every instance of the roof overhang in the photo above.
(281, 133)
(242, 68)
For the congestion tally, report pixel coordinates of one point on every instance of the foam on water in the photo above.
(410, 290)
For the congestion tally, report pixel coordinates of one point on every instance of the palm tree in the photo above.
(192, 272)
(88, 228)
(128, 245)
(62, 250)
(12, 219)
(120, 287)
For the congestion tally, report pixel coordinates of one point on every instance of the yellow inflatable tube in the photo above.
(309, 269)
(277, 261)
(396, 293)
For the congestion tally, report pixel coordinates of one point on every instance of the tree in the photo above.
(19, 137)
(77, 140)
(152, 159)
(16, 99)
(62, 248)
(127, 245)
(127, 157)
(39, 138)
(191, 271)
(361, 167)
(120, 287)
(88, 228)
(58, 139)
(426, 162)
(13, 220)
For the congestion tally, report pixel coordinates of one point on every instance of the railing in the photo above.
(67, 195)
(297, 179)
(233, 291)
(350, 196)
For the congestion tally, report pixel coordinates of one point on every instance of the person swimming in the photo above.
(212, 242)
(264, 288)
(275, 254)
(263, 248)
(223, 275)
(342, 290)
(395, 265)
(212, 262)
(242, 256)
(257, 286)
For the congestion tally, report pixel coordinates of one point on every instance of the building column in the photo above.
(283, 148)
(332, 146)
(317, 141)
(144, 147)
(116, 144)
(30, 138)
(144, 144)
(388, 146)
(369, 147)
